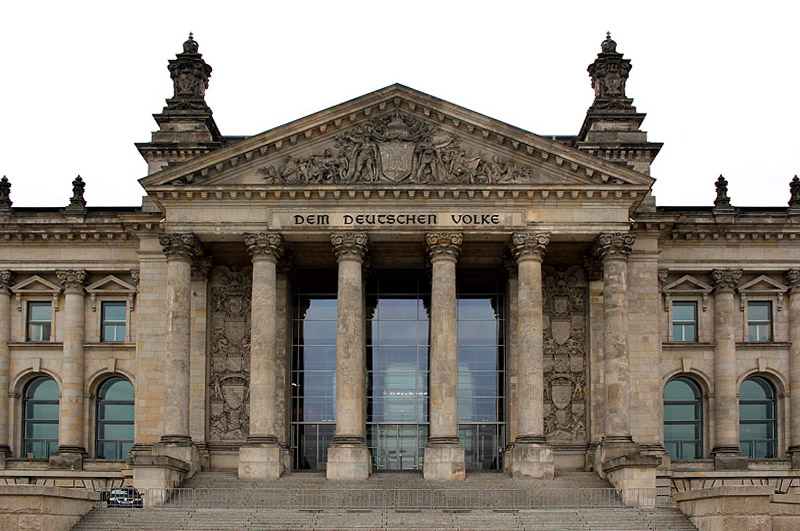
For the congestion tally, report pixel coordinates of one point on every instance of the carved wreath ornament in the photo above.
(397, 149)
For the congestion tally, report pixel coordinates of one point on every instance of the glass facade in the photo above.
(115, 407)
(313, 368)
(40, 418)
(683, 419)
(757, 425)
(481, 369)
(397, 368)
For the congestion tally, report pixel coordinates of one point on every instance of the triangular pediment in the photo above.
(763, 285)
(396, 136)
(110, 285)
(687, 284)
(34, 284)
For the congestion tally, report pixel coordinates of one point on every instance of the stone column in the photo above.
(181, 250)
(348, 456)
(71, 448)
(726, 451)
(444, 454)
(260, 456)
(532, 456)
(5, 335)
(793, 281)
(613, 250)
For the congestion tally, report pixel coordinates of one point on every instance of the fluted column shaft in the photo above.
(793, 280)
(443, 388)
(726, 399)
(70, 426)
(265, 250)
(613, 249)
(351, 369)
(529, 249)
(5, 335)
(181, 250)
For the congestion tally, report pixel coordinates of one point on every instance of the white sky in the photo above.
(719, 83)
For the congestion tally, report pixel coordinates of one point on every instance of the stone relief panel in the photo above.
(565, 393)
(395, 149)
(229, 366)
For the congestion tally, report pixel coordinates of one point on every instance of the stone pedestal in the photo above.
(260, 457)
(531, 455)
(71, 450)
(444, 454)
(727, 454)
(348, 456)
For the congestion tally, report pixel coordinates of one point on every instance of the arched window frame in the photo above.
(48, 446)
(698, 421)
(100, 422)
(753, 447)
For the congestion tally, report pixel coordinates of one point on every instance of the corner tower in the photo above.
(186, 125)
(612, 128)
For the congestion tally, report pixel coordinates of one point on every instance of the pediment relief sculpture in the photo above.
(399, 149)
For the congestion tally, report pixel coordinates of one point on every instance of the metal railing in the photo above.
(430, 499)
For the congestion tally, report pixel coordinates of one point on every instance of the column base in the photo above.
(729, 458)
(794, 453)
(260, 458)
(532, 458)
(68, 457)
(348, 458)
(179, 447)
(613, 447)
(444, 460)
(286, 457)
(5, 452)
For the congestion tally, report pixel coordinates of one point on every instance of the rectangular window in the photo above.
(759, 321)
(684, 322)
(113, 325)
(39, 319)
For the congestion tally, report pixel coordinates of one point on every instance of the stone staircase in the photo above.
(167, 519)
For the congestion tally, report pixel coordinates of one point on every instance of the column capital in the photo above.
(444, 245)
(349, 245)
(72, 280)
(264, 245)
(792, 280)
(725, 280)
(6, 277)
(180, 246)
(529, 245)
(614, 245)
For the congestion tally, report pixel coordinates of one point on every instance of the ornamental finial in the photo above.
(722, 202)
(5, 194)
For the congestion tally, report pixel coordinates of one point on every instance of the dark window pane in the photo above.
(759, 311)
(682, 311)
(114, 311)
(476, 309)
(39, 311)
(398, 308)
(319, 332)
(679, 389)
(477, 333)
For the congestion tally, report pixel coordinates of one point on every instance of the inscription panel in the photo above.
(399, 218)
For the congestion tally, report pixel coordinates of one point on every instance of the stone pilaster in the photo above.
(532, 456)
(5, 334)
(348, 456)
(181, 251)
(727, 454)
(260, 456)
(613, 250)
(71, 449)
(793, 281)
(444, 454)
(512, 361)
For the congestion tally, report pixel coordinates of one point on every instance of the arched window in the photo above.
(757, 425)
(40, 418)
(683, 419)
(114, 419)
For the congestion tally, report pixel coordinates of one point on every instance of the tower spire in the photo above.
(612, 128)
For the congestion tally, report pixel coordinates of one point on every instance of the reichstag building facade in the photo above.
(399, 283)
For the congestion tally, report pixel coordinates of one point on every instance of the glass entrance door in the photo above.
(397, 365)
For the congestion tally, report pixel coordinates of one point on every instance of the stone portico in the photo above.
(536, 290)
